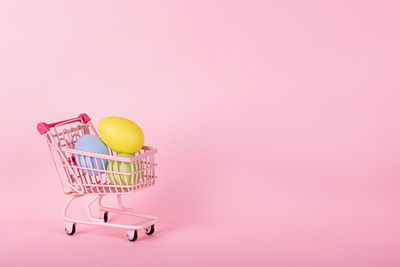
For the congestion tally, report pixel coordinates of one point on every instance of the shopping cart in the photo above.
(133, 174)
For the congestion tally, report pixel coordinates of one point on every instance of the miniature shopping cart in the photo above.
(78, 181)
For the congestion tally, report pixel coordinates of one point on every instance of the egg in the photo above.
(124, 167)
(121, 135)
(90, 143)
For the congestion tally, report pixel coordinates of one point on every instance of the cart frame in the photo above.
(100, 177)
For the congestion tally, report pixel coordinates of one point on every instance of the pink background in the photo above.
(276, 122)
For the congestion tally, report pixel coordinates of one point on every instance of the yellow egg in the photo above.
(121, 135)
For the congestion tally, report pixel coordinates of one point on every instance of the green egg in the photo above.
(125, 167)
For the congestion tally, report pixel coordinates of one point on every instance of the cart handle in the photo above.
(43, 127)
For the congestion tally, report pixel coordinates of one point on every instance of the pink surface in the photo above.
(276, 122)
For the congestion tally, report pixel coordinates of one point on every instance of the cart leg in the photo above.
(103, 209)
(101, 214)
(67, 204)
(69, 222)
(121, 204)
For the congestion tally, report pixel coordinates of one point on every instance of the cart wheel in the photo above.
(70, 231)
(150, 230)
(105, 216)
(132, 236)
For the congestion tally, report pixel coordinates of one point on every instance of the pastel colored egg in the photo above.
(121, 135)
(90, 143)
(124, 167)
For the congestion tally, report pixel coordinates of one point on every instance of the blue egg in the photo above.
(91, 143)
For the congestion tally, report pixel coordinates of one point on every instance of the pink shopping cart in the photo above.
(136, 173)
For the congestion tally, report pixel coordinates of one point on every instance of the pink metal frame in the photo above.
(78, 181)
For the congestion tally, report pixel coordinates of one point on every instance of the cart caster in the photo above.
(70, 230)
(132, 236)
(105, 217)
(150, 230)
